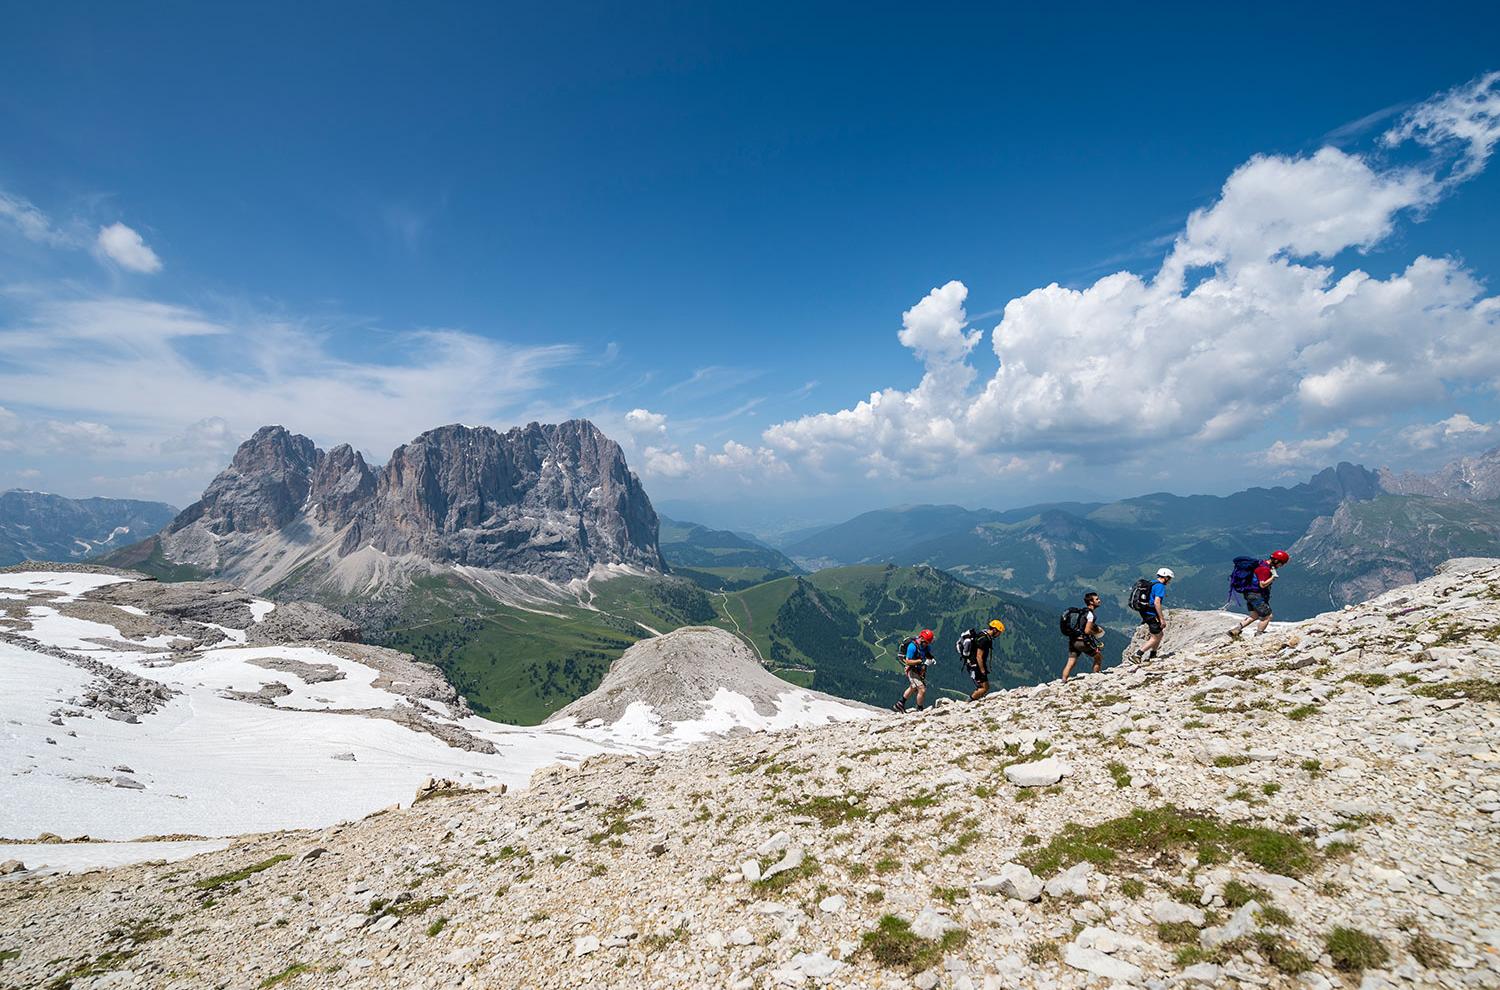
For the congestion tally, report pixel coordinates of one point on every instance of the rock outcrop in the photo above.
(680, 675)
(1322, 812)
(546, 501)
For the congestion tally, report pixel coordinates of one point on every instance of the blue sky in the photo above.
(702, 226)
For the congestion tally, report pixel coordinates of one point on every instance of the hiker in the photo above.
(916, 654)
(1252, 579)
(1150, 605)
(976, 646)
(1081, 627)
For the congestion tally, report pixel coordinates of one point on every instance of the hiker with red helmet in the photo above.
(916, 655)
(1252, 579)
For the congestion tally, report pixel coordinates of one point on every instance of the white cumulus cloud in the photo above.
(1303, 453)
(1459, 430)
(1247, 317)
(643, 421)
(124, 247)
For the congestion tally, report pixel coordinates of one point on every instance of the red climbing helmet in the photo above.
(925, 635)
(1280, 557)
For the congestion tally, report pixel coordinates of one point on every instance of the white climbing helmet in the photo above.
(1165, 573)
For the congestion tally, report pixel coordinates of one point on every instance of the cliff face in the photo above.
(548, 501)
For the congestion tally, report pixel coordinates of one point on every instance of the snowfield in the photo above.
(224, 755)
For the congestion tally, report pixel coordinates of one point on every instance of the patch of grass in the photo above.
(887, 864)
(1194, 723)
(1274, 948)
(1269, 790)
(1146, 833)
(1177, 932)
(895, 946)
(1472, 688)
(949, 895)
(1025, 793)
(115, 959)
(1119, 772)
(1312, 766)
(809, 867)
(1132, 887)
(828, 810)
(959, 844)
(984, 792)
(290, 973)
(1232, 760)
(1043, 951)
(1301, 712)
(1272, 915)
(6, 955)
(857, 870)
(1354, 951)
(1237, 894)
(1367, 680)
(1428, 951)
(223, 879)
(407, 909)
(1030, 839)
(436, 927)
(1338, 850)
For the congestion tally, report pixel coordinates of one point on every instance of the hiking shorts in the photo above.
(916, 677)
(1258, 604)
(1151, 621)
(1082, 647)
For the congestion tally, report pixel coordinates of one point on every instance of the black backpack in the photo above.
(1140, 595)
(1071, 623)
(901, 647)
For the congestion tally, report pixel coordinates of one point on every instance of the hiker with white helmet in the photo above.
(1148, 598)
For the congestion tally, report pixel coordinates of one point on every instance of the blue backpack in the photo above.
(1242, 578)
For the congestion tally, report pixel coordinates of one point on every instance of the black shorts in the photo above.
(1151, 621)
(1258, 604)
(1082, 647)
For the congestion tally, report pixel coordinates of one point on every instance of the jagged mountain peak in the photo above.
(550, 500)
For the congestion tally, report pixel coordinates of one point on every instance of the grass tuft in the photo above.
(1146, 833)
(290, 973)
(895, 946)
(1354, 951)
(223, 879)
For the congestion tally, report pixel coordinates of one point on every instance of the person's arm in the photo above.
(1266, 582)
(1161, 612)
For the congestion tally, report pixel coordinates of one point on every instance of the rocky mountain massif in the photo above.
(1322, 811)
(550, 502)
(39, 526)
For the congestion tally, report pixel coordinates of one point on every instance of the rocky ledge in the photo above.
(1316, 807)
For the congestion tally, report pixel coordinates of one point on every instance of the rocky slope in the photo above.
(549, 502)
(1322, 811)
(39, 526)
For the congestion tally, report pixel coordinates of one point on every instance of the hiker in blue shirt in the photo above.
(1154, 615)
(917, 658)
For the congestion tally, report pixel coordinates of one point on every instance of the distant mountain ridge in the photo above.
(1476, 478)
(550, 502)
(42, 526)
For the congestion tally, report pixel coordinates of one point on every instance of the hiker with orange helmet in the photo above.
(916, 655)
(1252, 579)
(975, 648)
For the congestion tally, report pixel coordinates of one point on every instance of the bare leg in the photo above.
(1068, 667)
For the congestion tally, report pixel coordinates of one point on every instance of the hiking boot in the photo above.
(899, 706)
(1235, 632)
